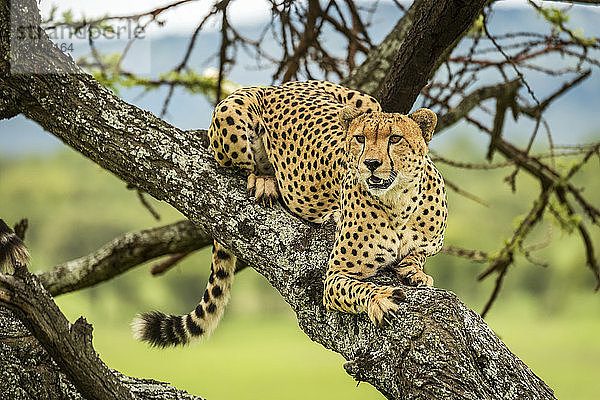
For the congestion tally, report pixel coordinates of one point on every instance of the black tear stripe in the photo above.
(389, 155)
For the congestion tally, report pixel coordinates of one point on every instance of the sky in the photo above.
(575, 116)
(183, 19)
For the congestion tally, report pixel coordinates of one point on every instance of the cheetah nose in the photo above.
(372, 164)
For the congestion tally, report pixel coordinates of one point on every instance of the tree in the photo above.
(437, 348)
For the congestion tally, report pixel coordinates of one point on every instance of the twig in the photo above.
(147, 205)
(164, 266)
(473, 255)
(223, 60)
(152, 13)
(452, 186)
(497, 287)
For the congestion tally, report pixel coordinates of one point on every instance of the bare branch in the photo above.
(437, 25)
(154, 13)
(164, 266)
(474, 255)
(472, 100)
(453, 186)
(122, 254)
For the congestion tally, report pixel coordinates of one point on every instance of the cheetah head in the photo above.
(387, 150)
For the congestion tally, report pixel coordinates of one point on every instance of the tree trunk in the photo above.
(369, 76)
(435, 27)
(437, 348)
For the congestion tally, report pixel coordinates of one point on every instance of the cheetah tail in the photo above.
(12, 249)
(163, 330)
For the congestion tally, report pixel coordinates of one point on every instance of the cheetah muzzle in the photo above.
(374, 182)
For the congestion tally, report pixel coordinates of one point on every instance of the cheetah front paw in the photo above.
(384, 304)
(414, 276)
(263, 188)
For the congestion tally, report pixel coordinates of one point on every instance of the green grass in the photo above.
(251, 357)
(262, 356)
(563, 349)
(549, 317)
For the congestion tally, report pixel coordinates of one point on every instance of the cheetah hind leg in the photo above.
(263, 188)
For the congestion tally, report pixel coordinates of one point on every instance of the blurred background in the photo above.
(549, 316)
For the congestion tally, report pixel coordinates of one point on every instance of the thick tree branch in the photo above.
(436, 26)
(122, 254)
(126, 252)
(436, 349)
(70, 346)
(370, 75)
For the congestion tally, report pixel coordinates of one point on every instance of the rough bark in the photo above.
(122, 254)
(436, 26)
(126, 252)
(70, 346)
(369, 76)
(437, 348)
(28, 372)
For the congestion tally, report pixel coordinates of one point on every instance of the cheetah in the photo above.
(326, 151)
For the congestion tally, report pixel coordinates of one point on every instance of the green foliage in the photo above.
(555, 16)
(477, 29)
(586, 41)
(558, 18)
(108, 76)
(562, 218)
(67, 17)
(52, 13)
(113, 77)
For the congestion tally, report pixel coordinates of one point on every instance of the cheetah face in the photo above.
(387, 150)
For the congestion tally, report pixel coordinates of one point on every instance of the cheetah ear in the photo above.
(347, 114)
(427, 120)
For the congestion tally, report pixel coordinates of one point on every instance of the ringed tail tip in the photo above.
(12, 249)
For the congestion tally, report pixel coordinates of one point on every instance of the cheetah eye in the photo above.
(395, 138)
(359, 138)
